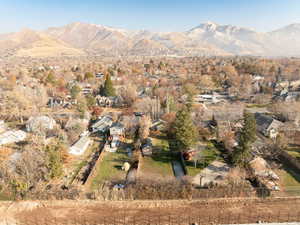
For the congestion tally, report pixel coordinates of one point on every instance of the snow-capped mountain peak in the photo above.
(207, 38)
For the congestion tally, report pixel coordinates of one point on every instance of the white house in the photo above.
(99, 75)
(40, 124)
(115, 142)
(267, 125)
(117, 129)
(80, 146)
(12, 136)
(2, 126)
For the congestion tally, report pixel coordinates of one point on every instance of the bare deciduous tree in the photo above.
(144, 127)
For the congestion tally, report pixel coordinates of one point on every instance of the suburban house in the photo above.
(12, 136)
(115, 78)
(257, 77)
(55, 102)
(114, 144)
(143, 92)
(287, 96)
(116, 132)
(213, 98)
(295, 84)
(267, 125)
(61, 102)
(80, 146)
(158, 125)
(40, 124)
(102, 125)
(282, 85)
(2, 126)
(99, 75)
(109, 101)
(87, 89)
(286, 84)
(117, 129)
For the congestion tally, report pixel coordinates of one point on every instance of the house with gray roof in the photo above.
(267, 125)
(102, 125)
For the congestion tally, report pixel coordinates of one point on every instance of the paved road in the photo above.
(131, 176)
(178, 170)
(211, 173)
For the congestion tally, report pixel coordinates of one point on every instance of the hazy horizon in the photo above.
(262, 16)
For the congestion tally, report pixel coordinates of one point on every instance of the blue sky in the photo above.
(155, 15)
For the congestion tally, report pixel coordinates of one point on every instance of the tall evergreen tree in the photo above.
(183, 130)
(249, 128)
(108, 89)
(247, 137)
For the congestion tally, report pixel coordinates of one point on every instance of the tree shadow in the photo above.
(118, 167)
(22, 144)
(294, 150)
(162, 137)
(292, 172)
(162, 156)
(120, 160)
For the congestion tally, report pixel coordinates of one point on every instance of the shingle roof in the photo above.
(263, 121)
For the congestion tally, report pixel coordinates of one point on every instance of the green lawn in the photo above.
(191, 169)
(290, 181)
(258, 105)
(159, 164)
(295, 152)
(110, 167)
(209, 154)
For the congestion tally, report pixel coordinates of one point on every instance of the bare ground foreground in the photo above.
(218, 211)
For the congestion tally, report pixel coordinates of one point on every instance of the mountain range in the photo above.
(207, 39)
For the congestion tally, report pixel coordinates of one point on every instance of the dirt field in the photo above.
(150, 212)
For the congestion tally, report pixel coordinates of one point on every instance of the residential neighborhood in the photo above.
(110, 125)
(150, 112)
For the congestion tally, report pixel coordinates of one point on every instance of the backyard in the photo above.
(295, 152)
(159, 164)
(290, 181)
(110, 168)
(204, 158)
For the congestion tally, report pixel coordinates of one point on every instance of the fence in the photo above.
(181, 219)
(98, 159)
(175, 191)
